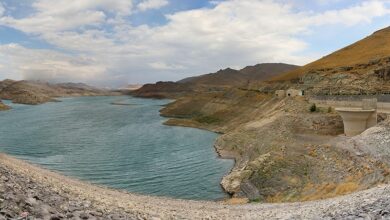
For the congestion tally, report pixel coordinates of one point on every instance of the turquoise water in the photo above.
(120, 146)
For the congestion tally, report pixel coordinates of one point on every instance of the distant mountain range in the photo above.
(222, 78)
(37, 92)
(231, 77)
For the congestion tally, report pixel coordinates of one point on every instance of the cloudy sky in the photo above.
(116, 42)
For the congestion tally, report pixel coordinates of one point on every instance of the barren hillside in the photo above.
(369, 49)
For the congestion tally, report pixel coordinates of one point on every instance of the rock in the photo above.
(96, 214)
(84, 215)
(250, 191)
(31, 201)
(56, 217)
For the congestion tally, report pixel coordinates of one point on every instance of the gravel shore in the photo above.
(26, 189)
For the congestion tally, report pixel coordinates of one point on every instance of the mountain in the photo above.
(37, 92)
(163, 90)
(213, 81)
(368, 50)
(231, 77)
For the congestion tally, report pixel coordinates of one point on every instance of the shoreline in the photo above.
(151, 207)
(222, 154)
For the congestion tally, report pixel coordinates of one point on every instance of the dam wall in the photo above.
(348, 102)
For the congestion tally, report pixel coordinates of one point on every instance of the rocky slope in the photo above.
(266, 136)
(35, 92)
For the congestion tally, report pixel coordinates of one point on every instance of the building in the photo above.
(294, 92)
(280, 93)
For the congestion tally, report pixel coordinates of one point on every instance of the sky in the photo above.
(118, 42)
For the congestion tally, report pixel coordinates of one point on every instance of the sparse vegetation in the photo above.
(207, 119)
(354, 54)
(313, 108)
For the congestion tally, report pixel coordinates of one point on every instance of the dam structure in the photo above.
(357, 120)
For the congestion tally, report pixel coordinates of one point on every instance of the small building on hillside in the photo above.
(280, 93)
(294, 93)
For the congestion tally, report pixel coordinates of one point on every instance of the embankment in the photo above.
(45, 194)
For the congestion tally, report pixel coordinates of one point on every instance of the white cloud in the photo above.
(362, 13)
(152, 4)
(67, 15)
(165, 66)
(48, 65)
(232, 33)
(2, 9)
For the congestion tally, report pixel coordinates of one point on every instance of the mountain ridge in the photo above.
(38, 92)
(213, 81)
(373, 47)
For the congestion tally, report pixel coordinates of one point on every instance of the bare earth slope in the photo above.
(371, 48)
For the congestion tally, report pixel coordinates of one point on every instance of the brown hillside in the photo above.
(222, 77)
(163, 90)
(374, 47)
(231, 77)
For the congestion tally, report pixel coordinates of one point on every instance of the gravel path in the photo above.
(48, 195)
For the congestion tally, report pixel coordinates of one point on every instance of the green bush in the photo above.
(313, 108)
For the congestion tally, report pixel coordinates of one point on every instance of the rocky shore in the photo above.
(3, 106)
(27, 190)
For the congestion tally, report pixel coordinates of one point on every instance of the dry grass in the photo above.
(373, 47)
(328, 190)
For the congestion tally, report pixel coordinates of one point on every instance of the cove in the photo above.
(119, 142)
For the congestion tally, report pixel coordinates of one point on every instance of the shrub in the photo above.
(313, 108)
(207, 119)
(330, 109)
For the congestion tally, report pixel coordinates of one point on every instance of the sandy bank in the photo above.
(148, 207)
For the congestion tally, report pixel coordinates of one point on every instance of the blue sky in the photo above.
(118, 42)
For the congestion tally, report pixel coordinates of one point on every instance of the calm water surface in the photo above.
(121, 146)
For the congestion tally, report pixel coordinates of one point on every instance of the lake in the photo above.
(120, 146)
